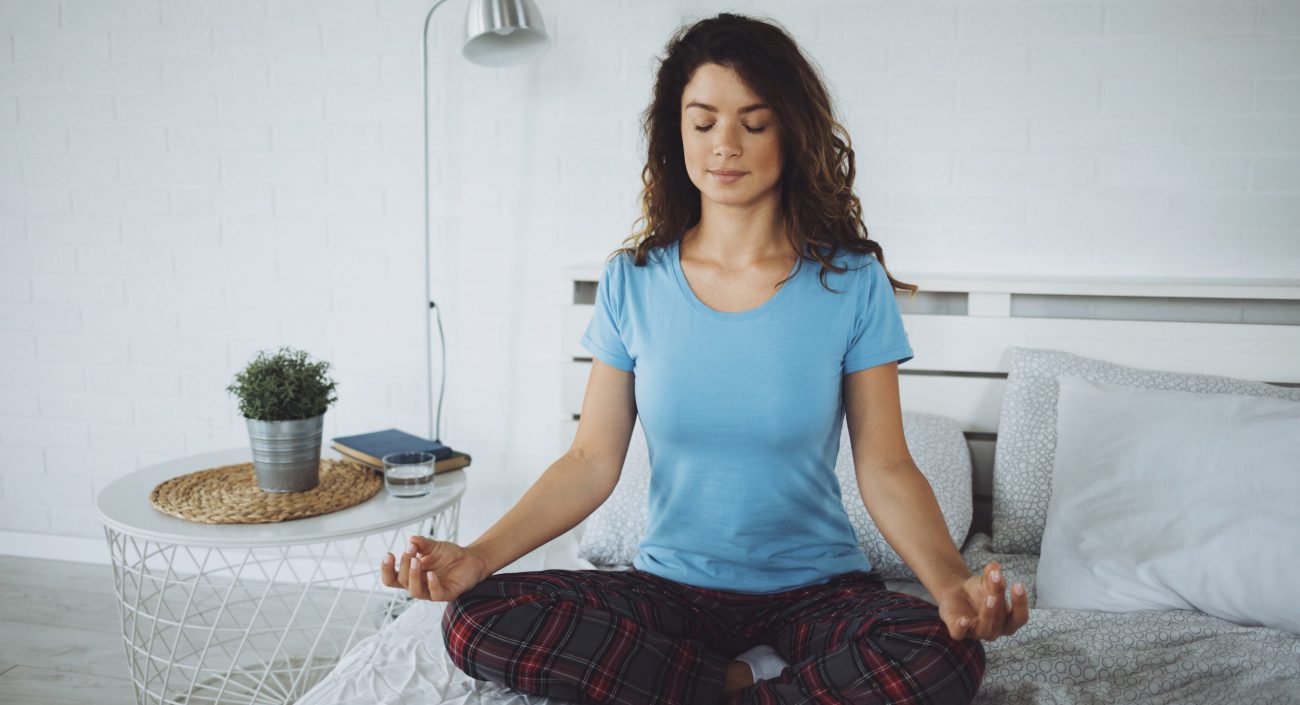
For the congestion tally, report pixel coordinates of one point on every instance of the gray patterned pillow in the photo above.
(1026, 446)
(613, 533)
(939, 448)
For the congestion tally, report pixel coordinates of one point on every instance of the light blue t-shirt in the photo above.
(742, 414)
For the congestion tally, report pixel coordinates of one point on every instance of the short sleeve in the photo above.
(878, 335)
(602, 337)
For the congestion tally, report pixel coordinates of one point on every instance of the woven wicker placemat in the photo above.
(229, 494)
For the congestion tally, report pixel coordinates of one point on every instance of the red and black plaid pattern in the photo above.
(634, 638)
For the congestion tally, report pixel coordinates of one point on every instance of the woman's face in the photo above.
(726, 127)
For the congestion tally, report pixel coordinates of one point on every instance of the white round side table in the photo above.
(254, 613)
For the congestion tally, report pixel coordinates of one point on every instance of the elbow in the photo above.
(871, 469)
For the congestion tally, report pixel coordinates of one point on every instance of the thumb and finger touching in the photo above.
(441, 570)
(970, 615)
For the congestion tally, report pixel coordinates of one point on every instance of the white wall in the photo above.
(186, 182)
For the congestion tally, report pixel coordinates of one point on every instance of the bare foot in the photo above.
(739, 677)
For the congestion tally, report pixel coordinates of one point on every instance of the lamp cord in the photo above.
(442, 378)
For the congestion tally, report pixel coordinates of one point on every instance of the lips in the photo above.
(728, 176)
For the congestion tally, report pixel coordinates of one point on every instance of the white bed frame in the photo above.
(962, 328)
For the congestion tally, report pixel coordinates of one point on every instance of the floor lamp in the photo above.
(497, 33)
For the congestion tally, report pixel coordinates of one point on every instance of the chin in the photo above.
(729, 197)
(732, 196)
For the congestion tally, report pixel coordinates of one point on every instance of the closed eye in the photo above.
(752, 131)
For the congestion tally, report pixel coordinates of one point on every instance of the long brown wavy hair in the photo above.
(821, 212)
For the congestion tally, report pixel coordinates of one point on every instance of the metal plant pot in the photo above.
(286, 454)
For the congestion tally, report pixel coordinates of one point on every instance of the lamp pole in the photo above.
(497, 33)
(434, 432)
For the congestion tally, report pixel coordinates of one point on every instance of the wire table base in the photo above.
(258, 625)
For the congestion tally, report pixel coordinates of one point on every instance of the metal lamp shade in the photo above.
(504, 32)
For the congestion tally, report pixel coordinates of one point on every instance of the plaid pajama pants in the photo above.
(634, 638)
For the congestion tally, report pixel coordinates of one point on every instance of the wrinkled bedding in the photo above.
(1060, 656)
(1151, 656)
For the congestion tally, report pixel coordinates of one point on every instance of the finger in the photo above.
(993, 610)
(964, 626)
(984, 626)
(404, 564)
(436, 591)
(423, 544)
(994, 581)
(387, 571)
(1000, 592)
(415, 582)
(432, 561)
(982, 621)
(1019, 608)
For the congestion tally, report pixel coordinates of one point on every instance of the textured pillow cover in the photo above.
(1172, 500)
(613, 532)
(939, 448)
(1026, 444)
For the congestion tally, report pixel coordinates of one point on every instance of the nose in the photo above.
(725, 150)
(727, 143)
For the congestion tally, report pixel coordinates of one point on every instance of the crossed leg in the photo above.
(632, 638)
(590, 636)
(858, 642)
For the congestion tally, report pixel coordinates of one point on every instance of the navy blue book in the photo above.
(372, 447)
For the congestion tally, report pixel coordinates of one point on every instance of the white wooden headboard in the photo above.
(962, 328)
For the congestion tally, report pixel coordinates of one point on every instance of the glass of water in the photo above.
(408, 474)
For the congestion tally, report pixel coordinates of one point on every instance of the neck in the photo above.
(737, 238)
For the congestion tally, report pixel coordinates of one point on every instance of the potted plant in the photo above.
(283, 398)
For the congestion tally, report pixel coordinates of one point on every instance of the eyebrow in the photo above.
(710, 108)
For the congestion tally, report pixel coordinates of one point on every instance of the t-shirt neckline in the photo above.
(771, 302)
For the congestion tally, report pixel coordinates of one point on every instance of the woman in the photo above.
(743, 371)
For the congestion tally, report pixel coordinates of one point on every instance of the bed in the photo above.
(1016, 408)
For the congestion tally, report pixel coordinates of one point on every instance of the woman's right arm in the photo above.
(570, 490)
(579, 482)
(566, 493)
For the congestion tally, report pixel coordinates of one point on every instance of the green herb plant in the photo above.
(283, 387)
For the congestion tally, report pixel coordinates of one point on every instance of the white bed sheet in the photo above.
(1060, 656)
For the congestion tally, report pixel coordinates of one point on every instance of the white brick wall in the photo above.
(186, 182)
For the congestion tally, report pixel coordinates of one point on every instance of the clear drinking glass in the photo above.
(408, 474)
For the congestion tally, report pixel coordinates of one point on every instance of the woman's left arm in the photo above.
(903, 506)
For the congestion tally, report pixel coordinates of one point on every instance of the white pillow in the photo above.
(1026, 447)
(1165, 499)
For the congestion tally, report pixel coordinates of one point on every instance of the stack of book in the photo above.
(370, 449)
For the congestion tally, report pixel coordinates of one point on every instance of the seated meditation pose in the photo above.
(745, 324)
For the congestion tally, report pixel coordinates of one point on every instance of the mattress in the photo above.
(1060, 656)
